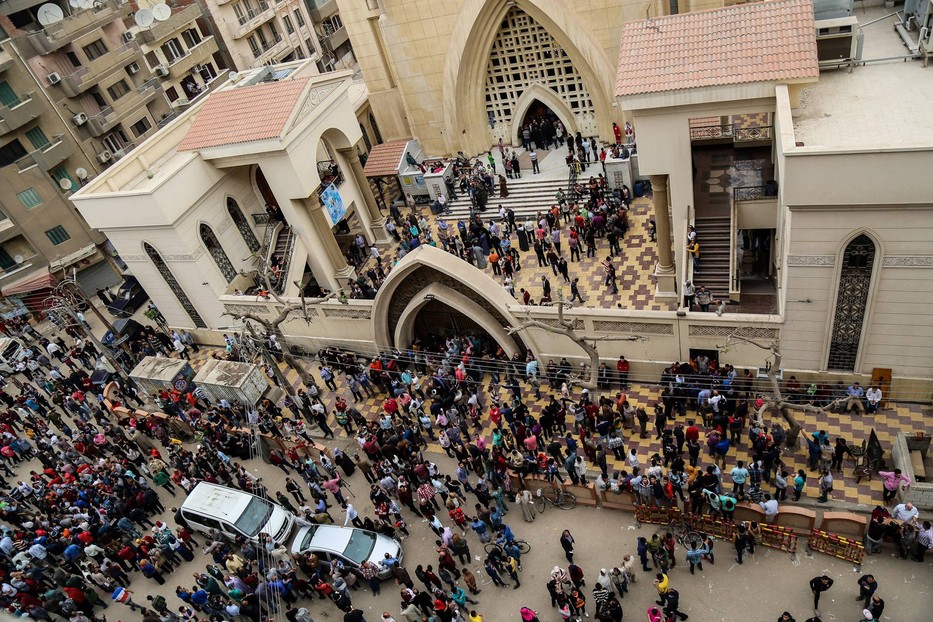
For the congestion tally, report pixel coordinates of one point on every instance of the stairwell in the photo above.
(715, 248)
(527, 197)
(280, 255)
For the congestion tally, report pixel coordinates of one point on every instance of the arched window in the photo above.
(240, 221)
(174, 285)
(851, 303)
(376, 132)
(212, 244)
(366, 141)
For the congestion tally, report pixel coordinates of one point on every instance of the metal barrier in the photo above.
(655, 515)
(837, 546)
(780, 538)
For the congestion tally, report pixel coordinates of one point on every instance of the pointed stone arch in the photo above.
(539, 92)
(468, 51)
(427, 272)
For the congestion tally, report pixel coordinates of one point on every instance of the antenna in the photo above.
(49, 14)
(144, 18)
(161, 12)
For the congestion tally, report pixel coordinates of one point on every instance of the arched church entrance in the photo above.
(436, 322)
(526, 60)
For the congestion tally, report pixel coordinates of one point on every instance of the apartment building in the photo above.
(76, 97)
(264, 32)
(333, 38)
(182, 55)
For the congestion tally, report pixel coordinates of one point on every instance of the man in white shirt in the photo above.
(873, 395)
(770, 507)
(53, 349)
(905, 512)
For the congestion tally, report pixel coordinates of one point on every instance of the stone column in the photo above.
(333, 270)
(664, 272)
(369, 212)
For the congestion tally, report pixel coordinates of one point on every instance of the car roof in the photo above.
(218, 501)
(330, 538)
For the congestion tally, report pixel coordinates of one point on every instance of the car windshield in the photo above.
(360, 547)
(254, 517)
(10, 351)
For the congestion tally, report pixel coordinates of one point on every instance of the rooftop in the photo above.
(384, 159)
(757, 42)
(880, 104)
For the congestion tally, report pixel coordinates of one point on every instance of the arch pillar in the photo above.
(373, 220)
(328, 264)
(664, 272)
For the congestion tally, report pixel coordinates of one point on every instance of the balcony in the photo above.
(183, 102)
(253, 19)
(6, 60)
(47, 158)
(202, 53)
(163, 30)
(13, 117)
(8, 229)
(88, 75)
(269, 51)
(323, 9)
(103, 121)
(78, 24)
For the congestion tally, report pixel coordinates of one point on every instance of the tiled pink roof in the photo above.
(245, 114)
(383, 159)
(765, 41)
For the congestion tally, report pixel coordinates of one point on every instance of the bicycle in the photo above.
(682, 532)
(561, 499)
(523, 546)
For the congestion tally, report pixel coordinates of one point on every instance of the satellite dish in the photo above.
(75, 4)
(144, 18)
(233, 76)
(86, 4)
(81, 173)
(65, 183)
(19, 259)
(50, 14)
(161, 12)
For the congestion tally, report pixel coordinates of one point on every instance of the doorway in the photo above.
(436, 322)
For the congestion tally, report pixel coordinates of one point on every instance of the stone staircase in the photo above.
(715, 248)
(527, 197)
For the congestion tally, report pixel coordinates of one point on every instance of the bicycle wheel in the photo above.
(540, 504)
(690, 537)
(678, 528)
(566, 501)
(523, 546)
(492, 547)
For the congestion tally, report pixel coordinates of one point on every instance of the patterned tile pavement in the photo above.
(896, 418)
(634, 268)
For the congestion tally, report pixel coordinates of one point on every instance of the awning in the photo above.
(385, 159)
(39, 279)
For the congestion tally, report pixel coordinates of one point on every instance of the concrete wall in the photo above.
(918, 493)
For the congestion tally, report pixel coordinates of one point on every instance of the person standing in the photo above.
(867, 586)
(799, 482)
(533, 156)
(610, 275)
(695, 556)
(566, 542)
(739, 476)
(826, 486)
(673, 602)
(818, 585)
(662, 584)
(742, 541)
(575, 290)
(891, 483)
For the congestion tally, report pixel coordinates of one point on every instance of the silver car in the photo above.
(350, 545)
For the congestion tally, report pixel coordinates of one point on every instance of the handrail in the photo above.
(267, 238)
(734, 280)
(754, 193)
(688, 261)
(738, 134)
(711, 132)
(286, 260)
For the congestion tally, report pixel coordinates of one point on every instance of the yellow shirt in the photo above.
(475, 618)
(663, 585)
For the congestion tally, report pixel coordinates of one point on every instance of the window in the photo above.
(73, 59)
(6, 262)
(299, 18)
(240, 221)
(851, 303)
(262, 38)
(141, 127)
(99, 99)
(115, 141)
(288, 24)
(152, 60)
(11, 152)
(57, 235)
(173, 50)
(336, 23)
(61, 173)
(275, 33)
(8, 96)
(212, 244)
(95, 49)
(254, 46)
(173, 285)
(172, 93)
(192, 37)
(30, 198)
(118, 90)
(207, 72)
(37, 137)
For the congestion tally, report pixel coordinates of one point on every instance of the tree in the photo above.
(775, 401)
(566, 328)
(274, 326)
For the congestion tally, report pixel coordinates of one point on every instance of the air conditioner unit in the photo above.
(838, 40)
(197, 68)
(79, 119)
(132, 68)
(128, 36)
(104, 156)
(161, 71)
(54, 77)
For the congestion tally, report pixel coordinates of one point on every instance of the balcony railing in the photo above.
(711, 132)
(79, 23)
(103, 121)
(48, 157)
(755, 193)
(19, 114)
(727, 130)
(752, 134)
(251, 19)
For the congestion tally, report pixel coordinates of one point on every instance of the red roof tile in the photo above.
(244, 114)
(383, 159)
(774, 40)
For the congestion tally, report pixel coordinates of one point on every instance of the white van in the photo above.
(11, 351)
(236, 513)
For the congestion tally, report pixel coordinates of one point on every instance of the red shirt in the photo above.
(692, 433)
